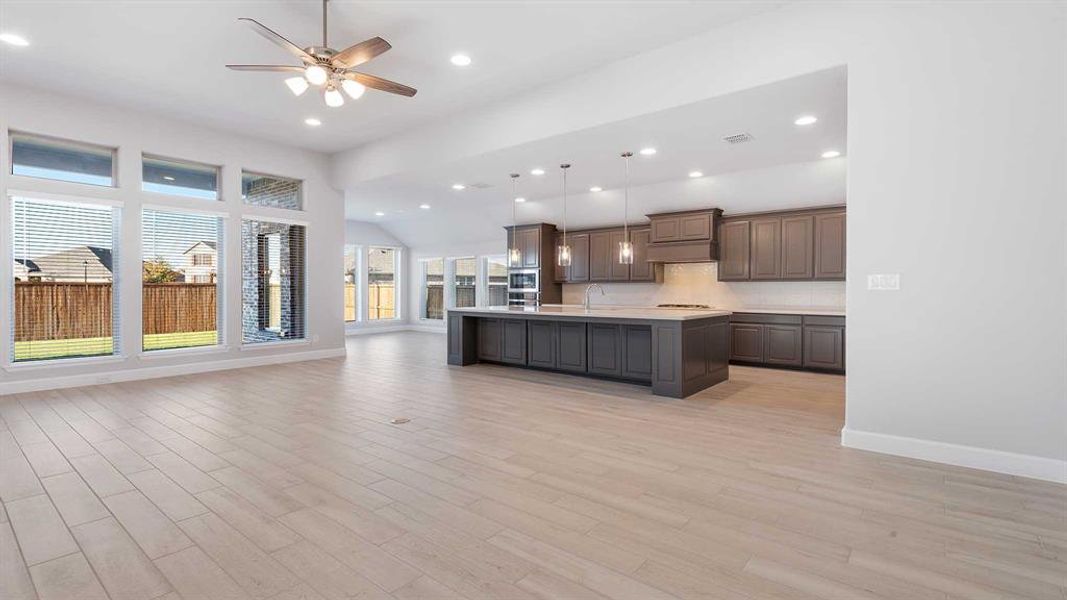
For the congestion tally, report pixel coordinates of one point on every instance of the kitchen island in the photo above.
(676, 351)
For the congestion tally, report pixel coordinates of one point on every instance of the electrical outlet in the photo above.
(884, 282)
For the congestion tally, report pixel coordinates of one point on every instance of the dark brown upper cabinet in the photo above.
(642, 270)
(684, 237)
(681, 227)
(795, 245)
(830, 245)
(798, 246)
(767, 248)
(619, 271)
(734, 250)
(529, 242)
(600, 256)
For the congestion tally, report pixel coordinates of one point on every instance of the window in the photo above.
(272, 192)
(273, 285)
(464, 278)
(381, 283)
(62, 160)
(180, 293)
(65, 301)
(179, 178)
(351, 294)
(433, 288)
(496, 274)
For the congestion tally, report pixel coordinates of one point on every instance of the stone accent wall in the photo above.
(256, 238)
(274, 192)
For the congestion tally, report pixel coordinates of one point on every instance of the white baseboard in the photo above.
(103, 377)
(1010, 463)
(394, 328)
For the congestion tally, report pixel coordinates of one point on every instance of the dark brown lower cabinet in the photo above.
(541, 344)
(637, 352)
(513, 345)
(782, 345)
(570, 346)
(746, 342)
(605, 350)
(824, 347)
(489, 339)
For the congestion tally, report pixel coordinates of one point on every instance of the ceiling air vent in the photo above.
(737, 138)
(479, 186)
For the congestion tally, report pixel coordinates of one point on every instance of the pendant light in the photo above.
(514, 254)
(563, 252)
(626, 247)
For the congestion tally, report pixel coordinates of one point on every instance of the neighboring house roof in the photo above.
(210, 245)
(81, 262)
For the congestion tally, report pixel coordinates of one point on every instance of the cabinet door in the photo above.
(530, 243)
(782, 345)
(513, 348)
(641, 270)
(734, 251)
(541, 344)
(579, 269)
(824, 347)
(617, 271)
(637, 352)
(604, 349)
(798, 247)
(694, 227)
(600, 256)
(571, 346)
(766, 248)
(559, 273)
(666, 229)
(489, 339)
(830, 246)
(746, 342)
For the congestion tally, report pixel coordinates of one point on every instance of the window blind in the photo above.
(181, 268)
(273, 281)
(66, 295)
(464, 280)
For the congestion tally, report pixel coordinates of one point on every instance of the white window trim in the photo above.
(191, 350)
(51, 363)
(62, 199)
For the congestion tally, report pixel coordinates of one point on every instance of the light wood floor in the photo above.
(290, 482)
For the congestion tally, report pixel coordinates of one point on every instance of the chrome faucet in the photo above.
(588, 289)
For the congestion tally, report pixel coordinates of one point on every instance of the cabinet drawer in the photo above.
(742, 317)
(833, 321)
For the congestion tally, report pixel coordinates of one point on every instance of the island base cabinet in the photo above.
(513, 344)
(489, 339)
(605, 350)
(636, 352)
(541, 344)
(571, 347)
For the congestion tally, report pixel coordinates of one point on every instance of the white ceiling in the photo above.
(167, 57)
(687, 138)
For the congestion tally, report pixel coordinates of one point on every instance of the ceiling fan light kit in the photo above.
(328, 68)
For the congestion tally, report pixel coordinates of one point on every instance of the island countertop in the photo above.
(594, 312)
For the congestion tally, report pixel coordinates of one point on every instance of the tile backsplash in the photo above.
(698, 284)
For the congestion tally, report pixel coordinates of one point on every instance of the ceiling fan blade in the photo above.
(360, 53)
(378, 83)
(277, 68)
(271, 35)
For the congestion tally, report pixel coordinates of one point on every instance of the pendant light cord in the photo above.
(626, 197)
(514, 219)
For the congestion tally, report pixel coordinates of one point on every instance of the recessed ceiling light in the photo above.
(648, 151)
(695, 174)
(458, 186)
(520, 200)
(424, 206)
(461, 60)
(831, 154)
(168, 178)
(14, 39)
(596, 188)
(805, 120)
(537, 171)
(312, 121)
(379, 214)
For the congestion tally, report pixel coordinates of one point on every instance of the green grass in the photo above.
(46, 349)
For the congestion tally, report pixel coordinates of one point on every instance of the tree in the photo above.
(159, 270)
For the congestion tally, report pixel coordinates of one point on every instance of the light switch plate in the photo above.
(884, 282)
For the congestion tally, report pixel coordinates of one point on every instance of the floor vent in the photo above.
(737, 138)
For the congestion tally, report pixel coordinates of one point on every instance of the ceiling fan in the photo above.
(326, 67)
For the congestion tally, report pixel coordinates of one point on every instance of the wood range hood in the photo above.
(690, 236)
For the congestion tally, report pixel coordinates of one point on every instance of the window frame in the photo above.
(424, 288)
(13, 133)
(7, 258)
(450, 280)
(398, 274)
(483, 279)
(218, 177)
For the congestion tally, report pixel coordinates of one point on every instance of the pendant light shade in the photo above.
(563, 251)
(514, 254)
(626, 247)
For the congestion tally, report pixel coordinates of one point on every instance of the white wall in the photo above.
(364, 233)
(131, 132)
(956, 154)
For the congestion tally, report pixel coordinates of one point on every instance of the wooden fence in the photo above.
(381, 301)
(69, 310)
